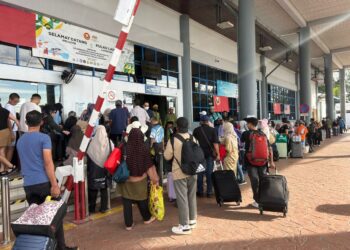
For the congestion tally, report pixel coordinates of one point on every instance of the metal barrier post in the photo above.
(5, 205)
(161, 169)
(108, 198)
(86, 192)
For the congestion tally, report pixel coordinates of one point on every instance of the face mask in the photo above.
(146, 108)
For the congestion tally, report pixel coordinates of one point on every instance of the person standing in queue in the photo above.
(209, 142)
(118, 119)
(38, 170)
(255, 173)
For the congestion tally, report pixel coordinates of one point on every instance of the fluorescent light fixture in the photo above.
(225, 25)
(266, 48)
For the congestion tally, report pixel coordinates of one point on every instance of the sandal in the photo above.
(130, 228)
(149, 221)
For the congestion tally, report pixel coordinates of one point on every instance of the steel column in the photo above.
(305, 68)
(186, 68)
(246, 59)
(328, 81)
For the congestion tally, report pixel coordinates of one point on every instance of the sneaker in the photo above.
(242, 182)
(255, 204)
(181, 230)
(193, 224)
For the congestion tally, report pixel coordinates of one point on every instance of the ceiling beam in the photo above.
(290, 9)
(330, 19)
(292, 12)
(340, 50)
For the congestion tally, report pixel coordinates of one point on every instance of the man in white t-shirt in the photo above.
(11, 106)
(140, 113)
(26, 108)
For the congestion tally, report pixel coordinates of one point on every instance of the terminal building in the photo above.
(265, 61)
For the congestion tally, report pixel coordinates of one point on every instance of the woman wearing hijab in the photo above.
(98, 151)
(231, 145)
(264, 127)
(134, 190)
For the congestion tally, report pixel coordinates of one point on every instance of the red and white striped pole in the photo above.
(79, 188)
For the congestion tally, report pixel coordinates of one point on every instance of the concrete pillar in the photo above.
(328, 81)
(246, 59)
(263, 88)
(342, 93)
(305, 68)
(297, 96)
(186, 68)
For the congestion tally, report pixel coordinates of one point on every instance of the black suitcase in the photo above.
(297, 150)
(226, 187)
(34, 242)
(273, 194)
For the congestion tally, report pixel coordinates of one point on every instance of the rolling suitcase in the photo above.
(37, 242)
(273, 194)
(297, 150)
(226, 187)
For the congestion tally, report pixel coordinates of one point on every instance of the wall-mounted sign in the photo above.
(151, 70)
(227, 89)
(61, 41)
(304, 108)
(152, 89)
(277, 108)
(112, 95)
(286, 109)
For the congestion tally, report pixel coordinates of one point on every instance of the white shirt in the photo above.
(12, 110)
(141, 114)
(26, 108)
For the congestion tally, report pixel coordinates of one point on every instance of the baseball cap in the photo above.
(204, 118)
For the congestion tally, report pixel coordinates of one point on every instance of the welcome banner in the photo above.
(61, 41)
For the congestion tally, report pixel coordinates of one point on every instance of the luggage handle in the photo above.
(216, 163)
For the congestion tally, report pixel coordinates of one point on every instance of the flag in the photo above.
(17, 26)
(277, 108)
(221, 104)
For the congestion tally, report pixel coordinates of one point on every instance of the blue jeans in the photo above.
(208, 171)
(240, 174)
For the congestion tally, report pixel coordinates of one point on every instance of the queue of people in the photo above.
(141, 136)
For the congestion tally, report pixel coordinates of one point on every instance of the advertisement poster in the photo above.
(277, 108)
(61, 41)
(286, 109)
(227, 89)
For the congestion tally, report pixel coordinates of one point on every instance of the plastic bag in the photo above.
(156, 202)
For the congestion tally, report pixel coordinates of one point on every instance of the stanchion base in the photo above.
(80, 222)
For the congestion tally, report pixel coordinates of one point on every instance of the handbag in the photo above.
(122, 174)
(156, 202)
(43, 219)
(113, 160)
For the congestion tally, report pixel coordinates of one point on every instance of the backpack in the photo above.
(259, 151)
(192, 155)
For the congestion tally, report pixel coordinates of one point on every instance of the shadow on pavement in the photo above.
(336, 241)
(337, 209)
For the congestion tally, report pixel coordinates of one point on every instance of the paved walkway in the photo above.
(318, 215)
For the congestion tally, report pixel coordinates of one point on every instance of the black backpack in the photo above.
(191, 155)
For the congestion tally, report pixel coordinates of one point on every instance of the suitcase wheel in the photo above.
(261, 211)
(285, 210)
(238, 203)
